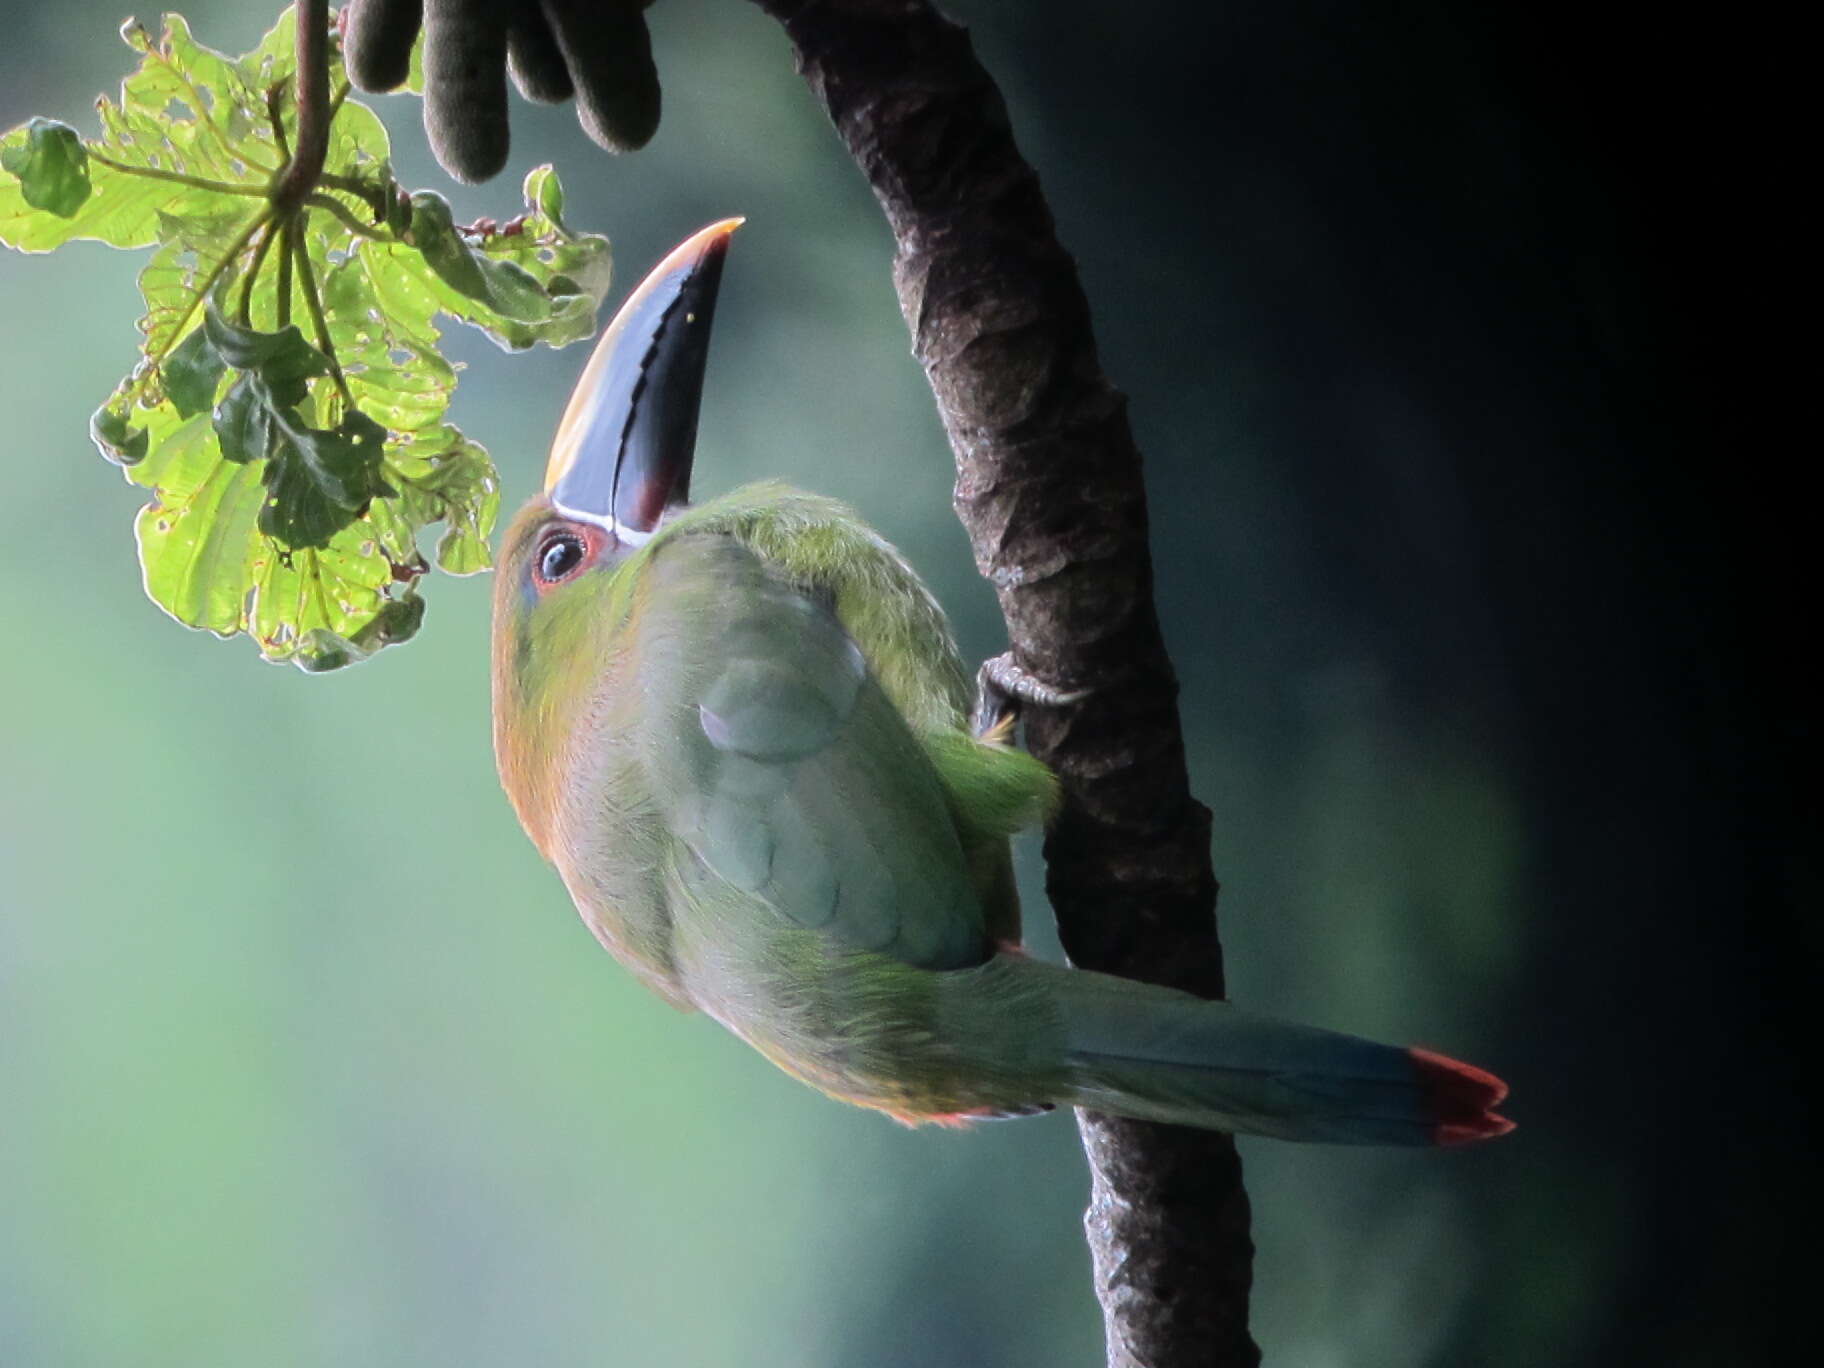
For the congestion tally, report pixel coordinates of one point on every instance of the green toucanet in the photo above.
(740, 731)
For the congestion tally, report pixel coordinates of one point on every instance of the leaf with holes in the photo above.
(288, 411)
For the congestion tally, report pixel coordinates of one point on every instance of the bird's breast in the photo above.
(613, 848)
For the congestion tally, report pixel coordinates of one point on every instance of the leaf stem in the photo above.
(308, 279)
(275, 96)
(287, 231)
(244, 311)
(176, 177)
(215, 273)
(374, 196)
(346, 219)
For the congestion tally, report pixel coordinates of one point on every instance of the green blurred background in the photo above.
(305, 1058)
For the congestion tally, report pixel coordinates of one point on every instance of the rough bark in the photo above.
(1049, 488)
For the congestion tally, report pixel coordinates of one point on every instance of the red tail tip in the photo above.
(1461, 1097)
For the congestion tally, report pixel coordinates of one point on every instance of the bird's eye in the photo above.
(559, 556)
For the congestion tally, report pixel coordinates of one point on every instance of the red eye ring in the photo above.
(562, 553)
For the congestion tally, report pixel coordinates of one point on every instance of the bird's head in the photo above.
(619, 467)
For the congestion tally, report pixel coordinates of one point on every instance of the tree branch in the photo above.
(300, 174)
(1049, 488)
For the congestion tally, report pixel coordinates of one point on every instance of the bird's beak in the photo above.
(623, 451)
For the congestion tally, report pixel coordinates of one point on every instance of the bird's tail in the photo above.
(1143, 1051)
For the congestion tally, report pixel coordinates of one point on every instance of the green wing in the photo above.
(782, 766)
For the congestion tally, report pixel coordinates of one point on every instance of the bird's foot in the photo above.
(1002, 687)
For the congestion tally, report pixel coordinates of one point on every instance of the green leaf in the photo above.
(282, 360)
(197, 533)
(193, 369)
(414, 73)
(208, 564)
(545, 193)
(320, 481)
(358, 145)
(386, 341)
(444, 477)
(52, 167)
(115, 439)
(167, 284)
(243, 422)
(501, 285)
(275, 60)
(186, 112)
(570, 270)
(399, 620)
(294, 459)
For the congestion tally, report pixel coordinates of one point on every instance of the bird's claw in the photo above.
(1002, 686)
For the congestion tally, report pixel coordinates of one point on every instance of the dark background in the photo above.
(1463, 272)
(1476, 564)
(1467, 270)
